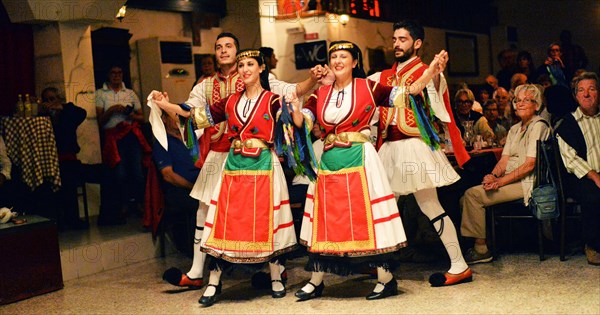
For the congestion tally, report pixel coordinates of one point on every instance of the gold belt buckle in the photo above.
(331, 138)
(248, 144)
(237, 144)
(343, 137)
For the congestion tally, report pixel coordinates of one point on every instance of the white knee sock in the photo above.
(431, 207)
(199, 257)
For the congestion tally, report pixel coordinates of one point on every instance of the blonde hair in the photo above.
(536, 94)
(467, 92)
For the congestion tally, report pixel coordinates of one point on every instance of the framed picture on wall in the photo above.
(462, 51)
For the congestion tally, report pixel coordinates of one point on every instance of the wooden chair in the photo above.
(517, 210)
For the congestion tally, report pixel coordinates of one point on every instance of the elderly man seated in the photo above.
(512, 177)
(579, 143)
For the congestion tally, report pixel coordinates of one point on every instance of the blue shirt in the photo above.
(177, 157)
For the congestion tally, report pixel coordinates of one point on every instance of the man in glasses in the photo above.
(488, 126)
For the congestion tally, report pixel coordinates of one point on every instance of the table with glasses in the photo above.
(31, 147)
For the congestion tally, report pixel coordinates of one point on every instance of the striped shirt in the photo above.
(590, 127)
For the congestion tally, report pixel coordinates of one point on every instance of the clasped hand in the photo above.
(490, 182)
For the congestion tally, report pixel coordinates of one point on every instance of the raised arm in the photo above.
(202, 116)
(436, 67)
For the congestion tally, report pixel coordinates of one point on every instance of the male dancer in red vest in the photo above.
(414, 162)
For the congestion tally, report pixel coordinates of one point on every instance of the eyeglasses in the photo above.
(525, 100)
(491, 109)
(467, 102)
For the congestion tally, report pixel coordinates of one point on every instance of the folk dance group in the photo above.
(351, 217)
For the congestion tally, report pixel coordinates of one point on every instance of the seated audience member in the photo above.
(484, 95)
(463, 102)
(525, 64)
(553, 66)
(177, 168)
(207, 66)
(512, 178)
(560, 102)
(503, 98)
(5, 169)
(492, 83)
(507, 59)
(66, 118)
(516, 80)
(488, 126)
(579, 143)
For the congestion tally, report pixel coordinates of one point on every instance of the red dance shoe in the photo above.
(175, 277)
(441, 280)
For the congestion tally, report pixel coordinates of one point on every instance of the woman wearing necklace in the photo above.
(351, 219)
(249, 220)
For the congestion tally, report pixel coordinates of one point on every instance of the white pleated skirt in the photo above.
(411, 166)
(209, 176)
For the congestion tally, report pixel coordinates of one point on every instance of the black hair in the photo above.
(50, 89)
(549, 49)
(358, 71)
(559, 101)
(109, 69)
(230, 35)
(264, 75)
(524, 54)
(416, 31)
(266, 51)
(489, 103)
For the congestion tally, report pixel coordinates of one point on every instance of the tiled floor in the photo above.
(116, 270)
(515, 284)
(98, 249)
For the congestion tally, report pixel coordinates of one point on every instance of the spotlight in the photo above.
(344, 18)
(121, 14)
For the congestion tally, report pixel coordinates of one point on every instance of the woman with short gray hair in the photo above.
(512, 178)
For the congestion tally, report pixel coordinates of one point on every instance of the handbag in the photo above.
(543, 202)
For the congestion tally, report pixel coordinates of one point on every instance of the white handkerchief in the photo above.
(158, 127)
(437, 99)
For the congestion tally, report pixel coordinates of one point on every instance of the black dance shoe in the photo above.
(303, 295)
(278, 294)
(210, 300)
(389, 289)
(261, 280)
